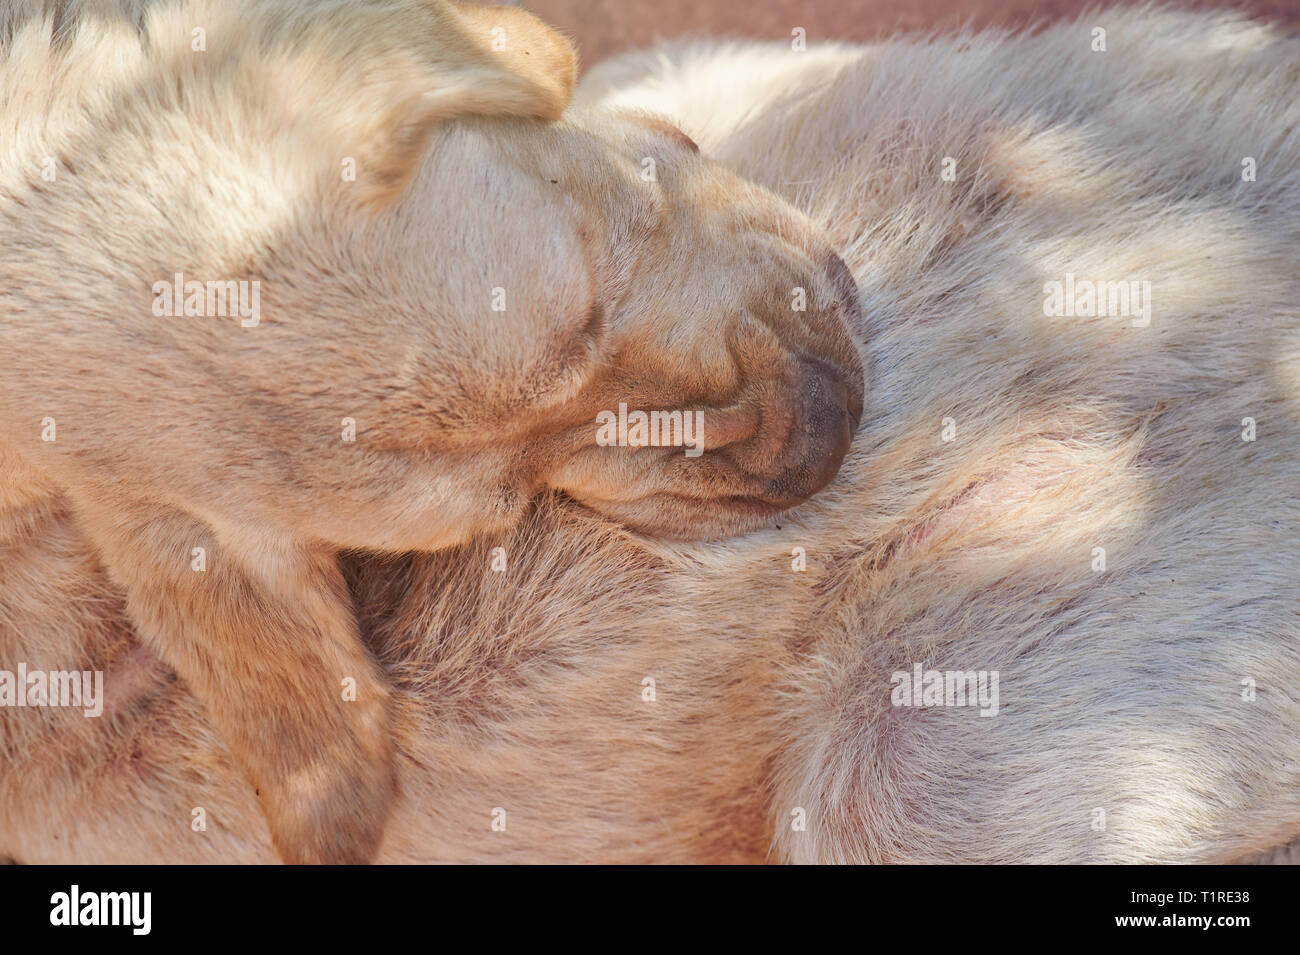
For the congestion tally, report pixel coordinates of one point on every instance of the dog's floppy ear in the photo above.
(441, 60)
(529, 68)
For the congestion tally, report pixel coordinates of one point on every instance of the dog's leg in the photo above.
(265, 636)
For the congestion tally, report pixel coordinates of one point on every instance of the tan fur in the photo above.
(1120, 690)
(177, 435)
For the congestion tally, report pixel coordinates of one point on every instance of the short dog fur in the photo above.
(525, 695)
(205, 457)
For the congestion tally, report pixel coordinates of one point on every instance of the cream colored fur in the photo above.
(436, 334)
(1120, 689)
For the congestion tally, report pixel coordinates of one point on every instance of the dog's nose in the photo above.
(829, 407)
(828, 386)
(788, 439)
(790, 442)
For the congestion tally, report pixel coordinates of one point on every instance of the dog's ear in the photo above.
(441, 60)
(528, 69)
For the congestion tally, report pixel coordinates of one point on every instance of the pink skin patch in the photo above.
(133, 678)
(982, 501)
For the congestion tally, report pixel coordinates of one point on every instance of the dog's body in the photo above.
(605, 697)
(439, 292)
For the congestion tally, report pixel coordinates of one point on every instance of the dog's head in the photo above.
(629, 321)
(715, 380)
(503, 297)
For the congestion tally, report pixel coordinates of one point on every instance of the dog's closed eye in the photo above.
(664, 127)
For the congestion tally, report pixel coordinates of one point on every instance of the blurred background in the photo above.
(603, 27)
